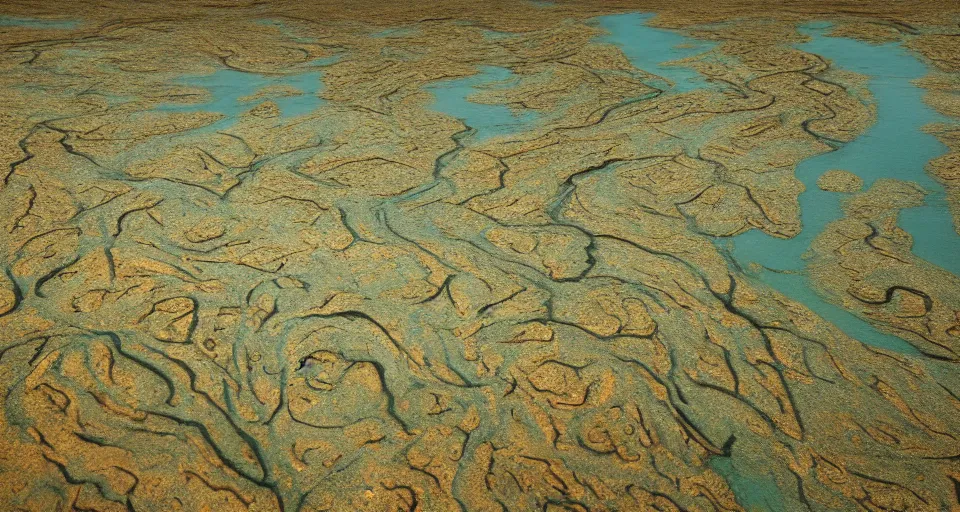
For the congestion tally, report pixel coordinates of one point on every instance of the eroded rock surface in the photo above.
(367, 305)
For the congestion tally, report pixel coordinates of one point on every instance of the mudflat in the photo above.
(480, 256)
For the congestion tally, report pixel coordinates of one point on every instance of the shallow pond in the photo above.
(895, 146)
(655, 50)
(487, 120)
(315, 303)
(15, 21)
(233, 93)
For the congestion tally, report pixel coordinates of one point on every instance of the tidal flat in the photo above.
(480, 256)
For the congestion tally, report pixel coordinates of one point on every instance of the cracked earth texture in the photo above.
(249, 263)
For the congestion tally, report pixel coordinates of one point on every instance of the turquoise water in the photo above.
(487, 120)
(13, 21)
(894, 147)
(653, 50)
(229, 91)
(755, 491)
(650, 49)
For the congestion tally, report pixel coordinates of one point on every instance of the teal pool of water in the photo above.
(14, 21)
(648, 48)
(231, 93)
(655, 50)
(754, 490)
(451, 97)
(895, 146)
(872, 155)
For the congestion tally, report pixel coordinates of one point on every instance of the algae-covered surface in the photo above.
(480, 256)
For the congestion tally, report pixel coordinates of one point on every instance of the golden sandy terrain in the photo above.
(369, 308)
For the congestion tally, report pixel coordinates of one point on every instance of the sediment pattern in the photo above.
(369, 305)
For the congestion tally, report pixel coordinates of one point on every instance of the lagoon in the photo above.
(895, 146)
(487, 121)
(233, 92)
